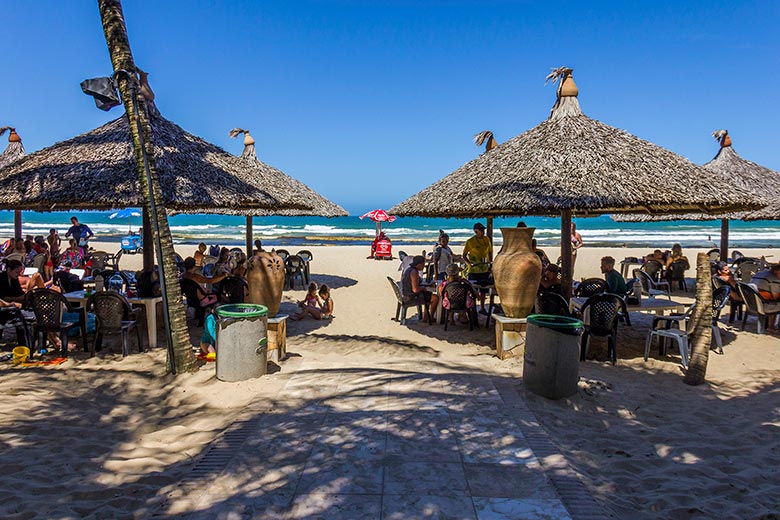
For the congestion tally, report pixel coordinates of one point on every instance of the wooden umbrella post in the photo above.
(567, 269)
(724, 239)
(148, 251)
(18, 223)
(490, 229)
(249, 236)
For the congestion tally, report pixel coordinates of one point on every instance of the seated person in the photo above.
(551, 280)
(74, 255)
(615, 282)
(223, 265)
(208, 340)
(17, 251)
(453, 275)
(676, 255)
(768, 284)
(322, 312)
(725, 274)
(541, 254)
(241, 265)
(412, 290)
(202, 281)
(200, 253)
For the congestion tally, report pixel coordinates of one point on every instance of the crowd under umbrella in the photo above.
(96, 171)
(765, 183)
(319, 205)
(572, 164)
(13, 152)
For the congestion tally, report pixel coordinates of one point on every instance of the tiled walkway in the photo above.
(410, 440)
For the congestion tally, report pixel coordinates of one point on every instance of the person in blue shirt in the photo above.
(80, 232)
(615, 282)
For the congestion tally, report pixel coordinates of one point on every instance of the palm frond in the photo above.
(237, 131)
(4, 129)
(557, 74)
(720, 134)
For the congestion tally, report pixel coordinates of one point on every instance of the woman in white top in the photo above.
(442, 257)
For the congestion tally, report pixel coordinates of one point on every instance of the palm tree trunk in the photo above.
(701, 336)
(181, 358)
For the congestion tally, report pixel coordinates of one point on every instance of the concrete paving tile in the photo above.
(426, 448)
(341, 476)
(425, 478)
(508, 481)
(514, 508)
(336, 507)
(427, 507)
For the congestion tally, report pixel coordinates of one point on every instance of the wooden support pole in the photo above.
(489, 230)
(567, 266)
(18, 223)
(724, 239)
(249, 236)
(148, 253)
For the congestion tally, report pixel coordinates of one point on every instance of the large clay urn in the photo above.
(517, 271)
(265, 276)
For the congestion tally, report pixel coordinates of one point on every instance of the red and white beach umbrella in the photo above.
(379, 216)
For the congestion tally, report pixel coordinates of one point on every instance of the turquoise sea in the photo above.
(293, 231)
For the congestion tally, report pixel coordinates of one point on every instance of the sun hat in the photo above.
(453, 270)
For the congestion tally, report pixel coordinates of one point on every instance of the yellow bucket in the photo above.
(20, 355)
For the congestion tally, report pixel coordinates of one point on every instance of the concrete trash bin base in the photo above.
(242, 343)
(552, 355)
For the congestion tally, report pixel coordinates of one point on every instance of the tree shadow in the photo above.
(333, 281)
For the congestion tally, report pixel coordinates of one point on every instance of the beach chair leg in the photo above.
(397, 311)
(612, 348)
(584, 345)
(682, 342)
(403, 314)
(744, 319)
(445, 313)
(648, 344)
(125, 346)
(64, 341)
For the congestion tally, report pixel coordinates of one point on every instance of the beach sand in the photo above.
(112, 438)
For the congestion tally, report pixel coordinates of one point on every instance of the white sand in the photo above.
(111, 437)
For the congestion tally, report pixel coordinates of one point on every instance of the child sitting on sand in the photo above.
(323, 312)
(208, 341)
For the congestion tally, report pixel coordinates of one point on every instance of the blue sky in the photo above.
(368, 102)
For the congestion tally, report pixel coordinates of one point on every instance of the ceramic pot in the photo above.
(568, 87)
(517, 271)
(265, 276)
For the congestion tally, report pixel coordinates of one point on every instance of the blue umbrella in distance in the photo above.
(126, 213)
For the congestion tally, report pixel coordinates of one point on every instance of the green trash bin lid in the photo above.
(561, 324)
(242, 310)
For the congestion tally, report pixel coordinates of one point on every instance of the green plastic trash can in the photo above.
(552, 355)
(242, 343)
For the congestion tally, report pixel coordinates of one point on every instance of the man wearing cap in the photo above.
(412, 290)
(478, 253)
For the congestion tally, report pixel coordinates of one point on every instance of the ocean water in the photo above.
(300, 231)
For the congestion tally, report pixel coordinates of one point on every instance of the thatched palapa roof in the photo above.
(762, 181)
(320, 206)
(14, 151)
(97, 170)
(571, 161)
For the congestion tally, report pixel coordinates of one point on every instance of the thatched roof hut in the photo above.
(763, 182)
(13, 152)
(571, 161)
(96, 170)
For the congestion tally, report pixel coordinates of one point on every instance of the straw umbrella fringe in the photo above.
(320, 206)
(13, 153)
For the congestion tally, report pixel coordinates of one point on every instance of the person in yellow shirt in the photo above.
(477, 254)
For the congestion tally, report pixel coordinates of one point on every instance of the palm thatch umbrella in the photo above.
(762, 181)
(320, 206)
(13, 153)
(572, 164)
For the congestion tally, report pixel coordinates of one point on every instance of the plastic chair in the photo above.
(48, 305)
(754, 304)
(653, 268)
(283, 253)
(307, 257)
(590, 287)
(551, 303)
(714, 254)
(747, 269)
(294, 268)
(113, 316)
(100, 260)
(12, 318)
(679, 335)
(232, 290)
(650, 287)
(457, 294)
(402, 306)
(720, 297)
(192, 291)
(602, 321)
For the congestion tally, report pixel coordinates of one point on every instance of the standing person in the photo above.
(478, 253)
(616, 284)
(412, 290)
(80, 232)
(258, 247)
(442, 256)
(576, 243)
(55, 243)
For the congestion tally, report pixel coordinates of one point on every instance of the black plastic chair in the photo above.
(747, 269)
(232, 290)
(714, 255)
(100, 260)
(294, 267)
(754, 304)
(48, 306)
(192, 292)
(307, 257)
(591, 287)
(283, 253)
(113, 316)
(653, 268)
(602, 321)
(457, 294)
(677, 273)
(551, 303)
(402, 306)
(13, 319)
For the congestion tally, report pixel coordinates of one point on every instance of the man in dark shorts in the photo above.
(412, 289)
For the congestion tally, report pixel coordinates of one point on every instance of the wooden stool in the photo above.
(510, 334)
(277, 337)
